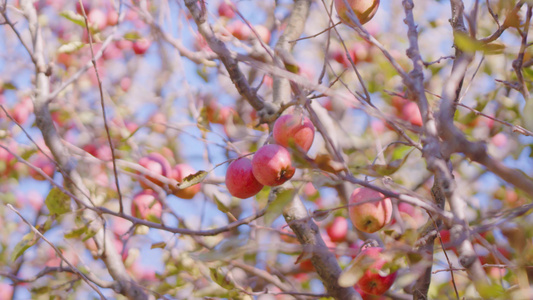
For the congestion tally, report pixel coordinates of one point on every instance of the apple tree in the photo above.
(196, 149)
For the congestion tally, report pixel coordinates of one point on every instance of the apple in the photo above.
(412, 216)
(7, 291)
(125, 84)
(179, 172)
(240, 179)
(263, 33)
(296, 129)
(140, 46)
(363, 9)
(411, 113)
(499, 140)
(225, 10)
(98, 19)
(370, 216)
(338, 229)
(366, 296)
(158, 122)
(373, 281)
(272, 165)
(86, 7)
(156, 163)
(42, 162)
(239, 30)
(112, 18)
(146, 204)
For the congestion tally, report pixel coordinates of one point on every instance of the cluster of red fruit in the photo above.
(146, 204)
(271, 164)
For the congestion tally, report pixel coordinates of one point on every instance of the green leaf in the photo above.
(467, 44)
(57, 202)
(9, 86)
(27, 241)
(221, 206)
(132, 35)
(160, 245)
(73, 17)
(75, 233)
(41, 289)
(275, 208)
(70, 47)
(527, 112)
(192, 179)
(220, 278)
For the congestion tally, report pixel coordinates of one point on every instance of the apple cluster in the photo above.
(271, 164)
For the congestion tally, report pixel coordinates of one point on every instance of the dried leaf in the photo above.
(192, 179)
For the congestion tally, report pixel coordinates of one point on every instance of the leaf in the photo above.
(467, 44)
(70, 47)
(132, 35)
(9, 86)
(160, 245)
(321, 215)
(220, 278)
(73, 17)
(41, 289)
(275, 208)
(57, 202)
(326, 163)
(221, 206)
(527, 112)
(75, 233)
(192, 179)
(351, 275)
(27, 241)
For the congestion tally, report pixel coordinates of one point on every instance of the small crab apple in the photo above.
(294, 128)
(156, 163)
(363, 9)
(225, 10)
(146, 204)
(338, 229)
(373, 281)
(140, 46)
(240, 179)
(112, 18)
(179, 172)
(45, 164)
(370, 216)
(411, 113)
(272, 165)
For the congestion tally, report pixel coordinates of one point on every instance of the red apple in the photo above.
(370, 216)
(499, 140)
(240, 179)
(98, 19)
(125, 84)
(272, 165)
(338, 229)
(179, 172)
(140, 46)
(112, 18)
(295, 129)
(225, 10)
(363, 9)
(156, 163)
(124, 44)
(411, 113)
(42, 162)
(412, 216)
(7, 291)
(86, 7)
(373, 261)
(146, 204)
(239, 30)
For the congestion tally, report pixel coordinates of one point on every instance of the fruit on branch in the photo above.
(297, 129)
(363, 9)
(239, 30)
(338, 229)
(145, 204)
(374, 262)
(112, 17)
(140, 46)
(97, 19)
(179, 172)
(411, 113)
(42, 162)
(272, 165)
(240, 180)
(156, 163)
(412, 216)
(263, 33)
(225, 10)
(370, 216)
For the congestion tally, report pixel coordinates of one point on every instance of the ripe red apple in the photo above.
(373, 282)
(239, 30)
(363, 9)
(272, 165)
(42, 162)
(179, 172)
(7, 291)
(411, 113)
(124, 44)
(338, 229)
(370, 216)
(140, 46)
(224, 10)
(295, 129)
(156, 163)
(240, 179)
(146, 204)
